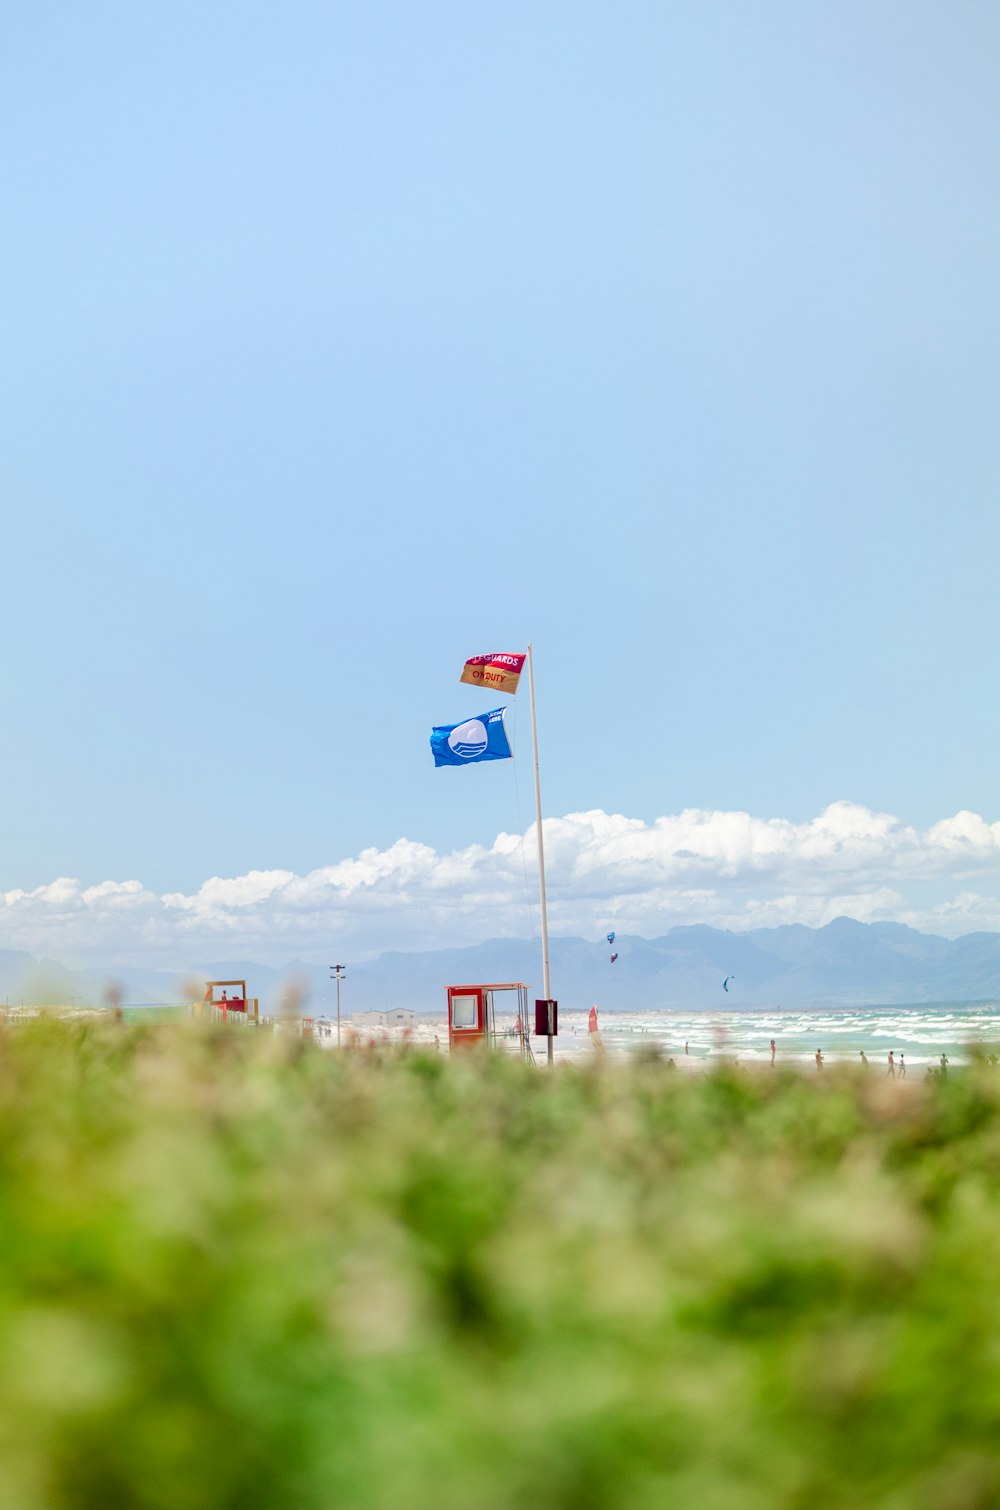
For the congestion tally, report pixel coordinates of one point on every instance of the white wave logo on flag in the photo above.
(469, 739)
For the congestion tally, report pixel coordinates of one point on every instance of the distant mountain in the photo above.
(844, 964)
(25, 978)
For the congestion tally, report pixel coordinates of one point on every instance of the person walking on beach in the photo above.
(819, 1059)
(892, 1065)
(944, 1066)
(902, 1067)
(864, 1058)
(772, 1053)
(685, 1048)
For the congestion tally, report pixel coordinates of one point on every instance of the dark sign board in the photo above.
(546, 1018)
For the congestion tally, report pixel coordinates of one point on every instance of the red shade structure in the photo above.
(218, 1000)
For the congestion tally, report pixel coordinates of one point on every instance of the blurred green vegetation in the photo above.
(236, 1270)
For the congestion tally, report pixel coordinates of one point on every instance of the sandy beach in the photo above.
(744, 1040)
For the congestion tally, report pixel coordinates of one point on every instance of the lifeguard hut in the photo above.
(222, 997)
(472, 1016)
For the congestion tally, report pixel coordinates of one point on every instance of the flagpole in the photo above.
(546, 986)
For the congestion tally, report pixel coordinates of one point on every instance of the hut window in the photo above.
(464, 1011)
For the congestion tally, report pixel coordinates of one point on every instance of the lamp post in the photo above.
(337, 974)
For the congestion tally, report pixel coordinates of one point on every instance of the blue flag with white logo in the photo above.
(482, 738)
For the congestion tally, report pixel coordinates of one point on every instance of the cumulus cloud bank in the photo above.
(603, 869)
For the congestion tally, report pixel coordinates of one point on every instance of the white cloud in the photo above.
(604, 869)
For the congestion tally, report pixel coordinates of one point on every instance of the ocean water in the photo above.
(922, 1033)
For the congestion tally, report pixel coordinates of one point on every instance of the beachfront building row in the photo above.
(394, 1017)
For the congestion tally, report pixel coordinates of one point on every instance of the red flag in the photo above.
(498, 671)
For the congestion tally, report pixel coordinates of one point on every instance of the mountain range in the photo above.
(846, 963)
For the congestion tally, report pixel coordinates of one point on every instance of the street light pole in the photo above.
(337, 974)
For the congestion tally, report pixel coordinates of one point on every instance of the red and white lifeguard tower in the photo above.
(472, 1017)
(219, 1003)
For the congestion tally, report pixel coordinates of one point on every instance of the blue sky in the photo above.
(342, 342)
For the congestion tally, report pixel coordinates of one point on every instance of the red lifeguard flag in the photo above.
(499, 671)
(592, 1021)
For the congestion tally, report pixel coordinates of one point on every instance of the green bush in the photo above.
(238, 1271)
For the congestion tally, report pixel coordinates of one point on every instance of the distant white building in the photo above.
(393, 1017)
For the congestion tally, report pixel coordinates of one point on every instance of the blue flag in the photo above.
(482, 738)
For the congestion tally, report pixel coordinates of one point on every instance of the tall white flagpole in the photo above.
(546, 986)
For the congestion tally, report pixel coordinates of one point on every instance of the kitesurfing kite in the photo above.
(613, 958)
(725, 983)
(611, 936)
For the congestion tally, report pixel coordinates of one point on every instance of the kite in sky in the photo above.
(613, 958)
(611, 936)
(725, 983)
